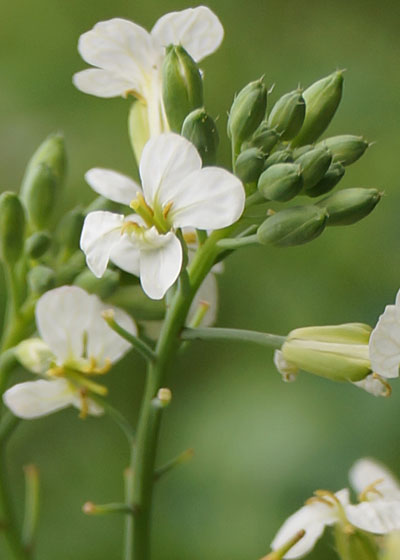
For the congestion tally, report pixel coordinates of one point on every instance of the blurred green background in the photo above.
(261, 446)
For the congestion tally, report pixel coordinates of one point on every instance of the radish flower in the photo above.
(75, 345)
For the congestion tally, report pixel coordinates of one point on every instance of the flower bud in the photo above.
(281, 156)
(41, 279)
(338, 352)
(328, 181)
(287, 115)
(247, 112)
(322, 99)
(37, 244)
(69, 230)
(200, 129)
(103, 287)
(314, 164)
(345, 149)
(292, 226)
(265, 138)
(12, 228)
(249, 165)
(182, 85)
(349, 205)
(43, 178)
(281, 181)
(298, 152)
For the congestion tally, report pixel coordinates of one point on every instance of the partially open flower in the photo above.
(76, 345)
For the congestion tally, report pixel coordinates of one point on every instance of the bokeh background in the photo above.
(261, 446)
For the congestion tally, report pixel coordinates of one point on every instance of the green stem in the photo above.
(136, 342)
(237, 243)
(265, 339)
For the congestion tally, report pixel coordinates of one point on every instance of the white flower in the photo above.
(75, 345)
(128, 59)
(177, 193)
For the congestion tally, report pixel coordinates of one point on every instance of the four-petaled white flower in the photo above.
(128, 59)
(378, 510)
(75, 345)
(177, 193)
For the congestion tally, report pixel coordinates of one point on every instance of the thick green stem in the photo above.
(265, 339)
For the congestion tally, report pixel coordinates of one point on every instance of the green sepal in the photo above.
(138, 127)
(345, 149)
(292, 226)
(280, 156)
(348, 206)
(182, 85)
(249, 165)
(69, 230)
(287, 115)
(37, 244)
(281, 182)
(331, 178)
(41, 279)
(314, 164)
(201, 130)
(265, 138)
(12, 228)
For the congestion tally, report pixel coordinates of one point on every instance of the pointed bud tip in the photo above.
(89, 508)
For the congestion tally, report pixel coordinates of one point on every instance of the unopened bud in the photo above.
(328, 181)
(41, 279)
(12, 228)
(282, 181)
(287, 115)
(69, 230)
(265, 138)
(247, 112)
(298, 152)
(37, 244)
(43, 178)
(104, 287)
(200, 129)
(281, 156)
(249, 165)
(349, 205)
(345, 149)
(314, 164)
(163, 398)
(338, 352)
(322, 99)
(182, 85)
(292, 226)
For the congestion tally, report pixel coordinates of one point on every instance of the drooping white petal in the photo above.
(122, 47)
(126, 255)
(367, 471)
(384, 344)
(206, 294)
(34, 354)
(379, 516)
(288, 371)
(198, 30)
(166, 160)
(112, 185)
(374, 385)
(62, 318)
(210, 198)
(160, 265)
(100, 233)
(38, 398)
(104, 83)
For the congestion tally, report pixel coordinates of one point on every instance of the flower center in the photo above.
(157, 217)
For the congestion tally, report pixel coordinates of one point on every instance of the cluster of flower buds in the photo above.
(279, 156)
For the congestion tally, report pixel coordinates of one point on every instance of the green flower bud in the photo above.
(200, 129)
(338, 352)
(287, 115)
(182, 86)
(265, 138)
(41, 279)
(292, 226)
(101, 203)
(322, 99)
(69, 230)
(345, 149)
(103, 287)
(328, 181)
(249, 165)
(349, 205)
(281, 156)
(314, 164)
(298, 152)
(12, 228)
(138, 127)
(43, 178)
(247, 112)
(281, 181)
(37, 244)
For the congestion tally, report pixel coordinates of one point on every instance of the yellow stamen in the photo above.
(324, 497)
(190, 237)
(84, 404)
(388, 388)
(130, 227)
(93, 369)
(166, 209)
(371, 488)
(56, 371)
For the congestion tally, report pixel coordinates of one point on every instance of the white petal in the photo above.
(102, 342)
(373, 385)
(288, 371)
(122, 47)
(379, 516)
(126, 256)
(384, 344)
(112, 185)
(100, 233)
(34, 354)
(366, 471)
(62, 317)
(207, 293)
(104, 83)
(160, 267)
(93, 408)
(210, 198)
(166, 160)
(198, 30)
(38, 398)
